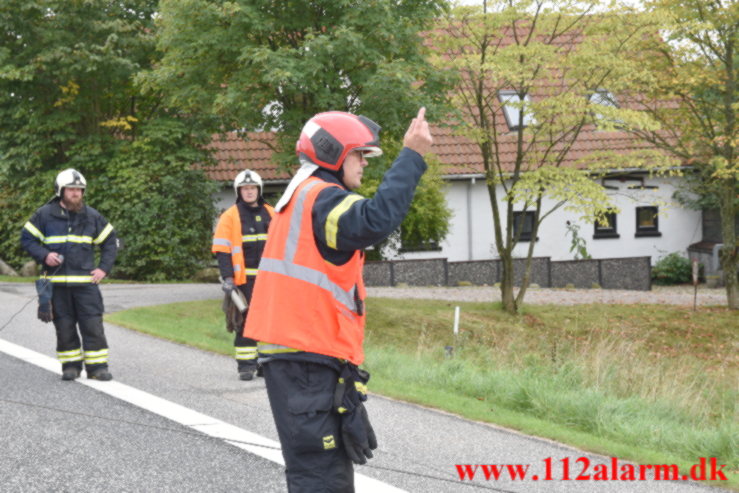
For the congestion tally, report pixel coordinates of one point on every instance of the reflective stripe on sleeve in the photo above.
(221, 242)
(33, 230)
(252, 272)
(332, 221)
(104, 234)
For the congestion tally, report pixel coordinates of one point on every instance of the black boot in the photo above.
(246, 374)
(101, 374)
(70, 373)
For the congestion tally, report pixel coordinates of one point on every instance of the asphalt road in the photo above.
(64, 436)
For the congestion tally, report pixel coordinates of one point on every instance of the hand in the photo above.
(228, 285)
(418, 136)
(53, 259)
(98, 275)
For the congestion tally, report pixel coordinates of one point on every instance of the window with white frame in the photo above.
(603, 97)
(517, 113)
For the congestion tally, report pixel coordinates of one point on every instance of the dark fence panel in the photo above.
(379, 274)
(477, 272)
(579, 273)
(539, 271)
(626, 273)
(620, 273)
(422, 272)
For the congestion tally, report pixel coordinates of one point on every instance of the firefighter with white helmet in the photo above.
(308, 307)
(238, 243)
(61, 236)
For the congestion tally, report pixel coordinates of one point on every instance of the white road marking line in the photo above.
(179, 414)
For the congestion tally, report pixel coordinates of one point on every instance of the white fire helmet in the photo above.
(69, 178)
(248, 177)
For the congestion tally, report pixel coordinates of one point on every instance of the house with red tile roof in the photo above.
(650, 222)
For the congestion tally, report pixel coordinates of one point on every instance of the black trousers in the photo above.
(245, 348)
(80, 308)
(301, 396)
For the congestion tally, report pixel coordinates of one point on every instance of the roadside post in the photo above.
(695, 284)
(449, 350)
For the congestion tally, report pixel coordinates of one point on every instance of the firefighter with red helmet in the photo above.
(61, 236)
(238, 243)
(307, 311)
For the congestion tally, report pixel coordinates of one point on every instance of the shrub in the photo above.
(672, 269)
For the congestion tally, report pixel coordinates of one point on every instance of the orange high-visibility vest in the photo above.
(228, 239)
(301, 301)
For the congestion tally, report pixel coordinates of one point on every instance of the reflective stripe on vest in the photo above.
(267, 348)
(302, 302)
(68, 239)
(286, 267)
(255, 237)
(69, 279)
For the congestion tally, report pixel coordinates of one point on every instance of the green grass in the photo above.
(17, 279)
(650, 383)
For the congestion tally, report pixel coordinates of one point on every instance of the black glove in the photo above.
(228, 285)
(358, 435)
(45, 313)
(356, 431)
(44, 289)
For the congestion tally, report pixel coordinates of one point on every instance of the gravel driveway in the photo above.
(667, 295)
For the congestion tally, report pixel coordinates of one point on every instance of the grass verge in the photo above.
(649, 383)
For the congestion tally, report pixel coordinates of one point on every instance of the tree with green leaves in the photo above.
(263, 65)
(68, 99)
(532, 80)
(694, 65)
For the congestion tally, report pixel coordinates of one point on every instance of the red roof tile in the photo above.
(458, 155)
(234, 153)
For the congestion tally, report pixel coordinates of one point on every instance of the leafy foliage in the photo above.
(693, 66)
(427, 221)
(266, 65)
(67, 99)
(578, 245)
(261, 65)
(672, 269)
(541, 61)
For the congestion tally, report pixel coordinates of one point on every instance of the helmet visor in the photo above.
(369, 151)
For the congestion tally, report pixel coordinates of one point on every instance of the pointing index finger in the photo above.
(421, 113)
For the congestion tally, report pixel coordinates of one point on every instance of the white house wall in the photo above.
(471, 229)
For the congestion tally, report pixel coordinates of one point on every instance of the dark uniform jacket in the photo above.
(74, 235)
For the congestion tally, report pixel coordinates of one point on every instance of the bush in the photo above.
(672, 269)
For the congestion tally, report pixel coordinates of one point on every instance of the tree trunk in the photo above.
(506, 283)
(728, 253)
